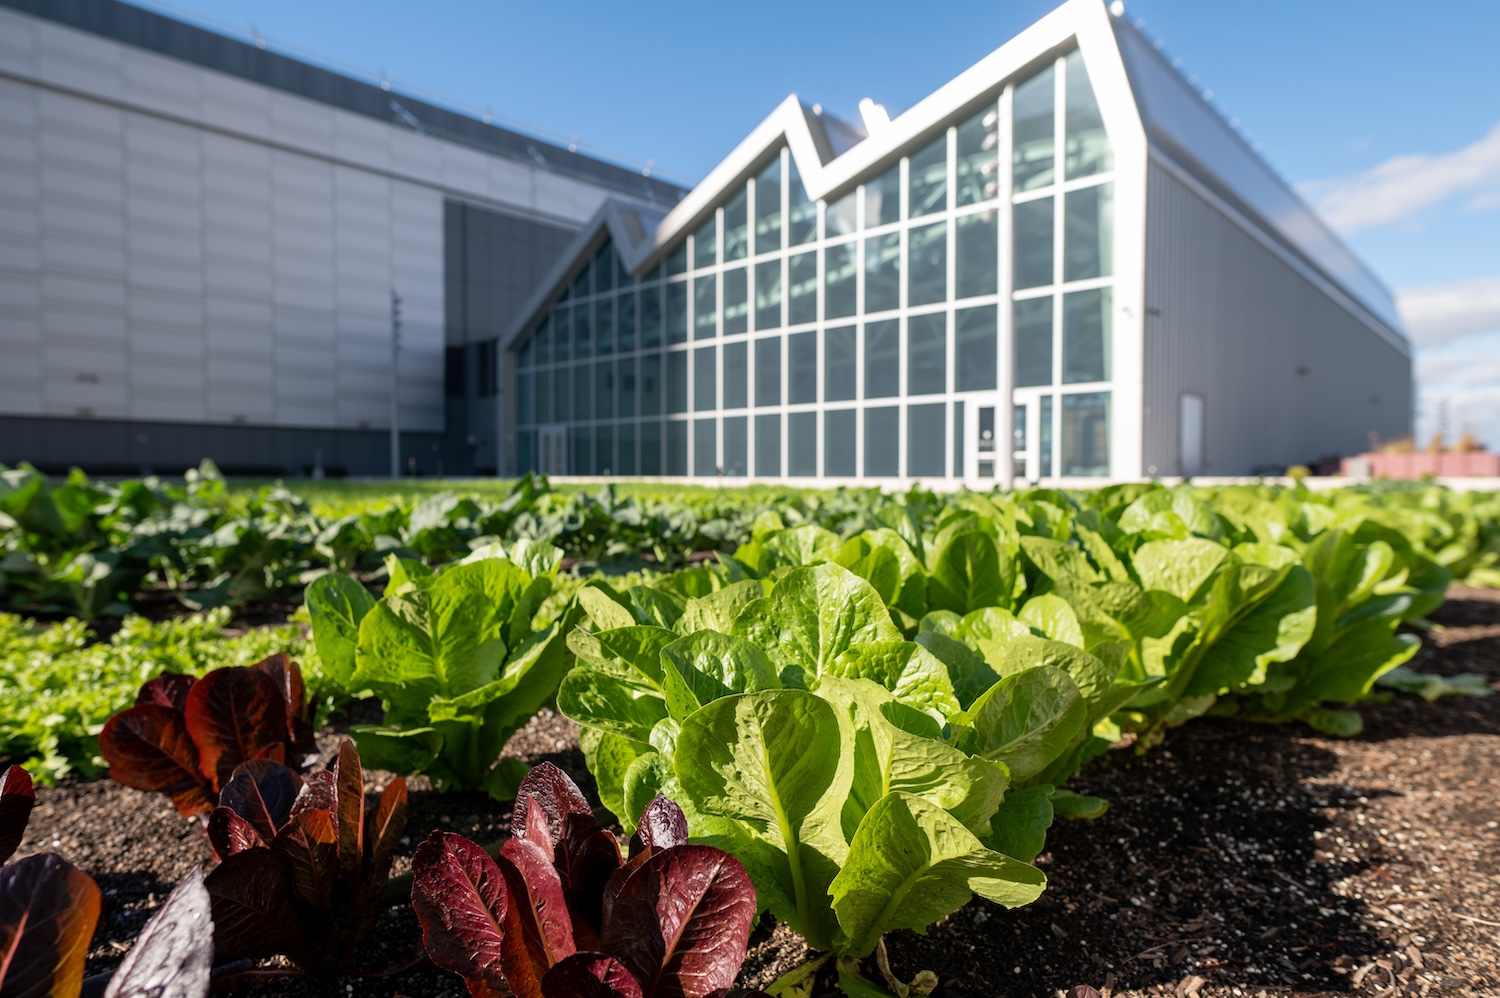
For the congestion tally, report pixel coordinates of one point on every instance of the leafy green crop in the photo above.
(452, 655)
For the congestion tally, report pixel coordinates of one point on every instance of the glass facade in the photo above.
(788, 337)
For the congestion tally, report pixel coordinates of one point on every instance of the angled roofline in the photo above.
(167, 36)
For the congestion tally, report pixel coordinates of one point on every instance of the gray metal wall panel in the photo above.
(1230, 320)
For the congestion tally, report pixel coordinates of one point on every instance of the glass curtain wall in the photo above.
(791, 338)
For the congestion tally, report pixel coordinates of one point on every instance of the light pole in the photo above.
(395, 384)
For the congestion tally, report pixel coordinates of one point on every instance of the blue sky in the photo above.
(1385, 114)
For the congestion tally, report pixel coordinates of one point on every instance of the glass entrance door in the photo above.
(1031, 437)
(552, 450)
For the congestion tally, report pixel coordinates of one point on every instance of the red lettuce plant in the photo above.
(305, 862)
(185, 737)
(560, 913)
(16, 800)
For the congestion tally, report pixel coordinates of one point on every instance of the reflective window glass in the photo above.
(651, 316)
(604, 450)
(926, 440)
(736, 375)
(1086, 336)
(802, 367)
(525, 404)
(625, 321)
(883, 359)
(583, 393)
(736, 302)
(1044, 437)
(802, 211)
(543, 389)
(736, 445)
(625, 463)
(883, 272)
(705, 447)
(1086, 150)
(583, 336)
(562, 324)
(958, 439)
(677, 260)
(802, 444)
(802, 278)
(768, 371)
(706, 243)
(677, 447)
(768, 294)
(705, 307)
(839, 456)
(736, 227)
(604, 326)
(1088, 233)
(927, 264)
(562, 396)
(1085, 435)
(604, 269)
(977, 247)
(883, 442)
(543, 342)
(1033, 243)
(976, 335)
(1032, 330)
(705, 379)
(1033, 156)
(926, 354)
(677, 312)
(768, 444)
(927, 178)
(526, 356)
(581, 460)
(677, 383)
(581, 284)
(768, 208)
(842, 217)
(604, 390)
(839, 281)
(883, 198)
(625, 389)
(839, 377)
(651, 384)
(651, 463)
(979, 157)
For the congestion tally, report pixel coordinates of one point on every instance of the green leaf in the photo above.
(1172, 513)
(1091, 676)
(609, 757)
(875, 564)
(606, 701)
(806, 545)
(632, 653)
(707, 665)
(909, 671)
(1019, 826)
(1025, 720)
(912, 863)
(1054, 617)
(411, 750)
(718, 610)
(1067, 804)
(604, 611)
(1273, 629)
(812, 616)
(1181, 568)
(775, 762)
(337, 604)
(1431, 687)
(1339, 723)
(655, 607)
(970, 573)
(968, 672)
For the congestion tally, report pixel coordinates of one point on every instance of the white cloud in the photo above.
(1404, 185)
(1443, 313)
(1459, 383)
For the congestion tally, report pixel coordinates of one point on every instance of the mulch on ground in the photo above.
(1235, 860)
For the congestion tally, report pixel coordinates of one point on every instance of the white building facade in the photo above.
(1063, 266)
(200, 241)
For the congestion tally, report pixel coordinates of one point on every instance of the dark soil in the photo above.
(1235, 860)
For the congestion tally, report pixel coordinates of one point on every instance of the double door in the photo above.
(1028, 450)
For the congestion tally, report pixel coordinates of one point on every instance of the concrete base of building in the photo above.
(119, 447)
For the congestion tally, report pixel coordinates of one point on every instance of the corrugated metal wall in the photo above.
(1288, 375)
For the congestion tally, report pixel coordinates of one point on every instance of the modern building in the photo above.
(201, 240)
(1064, 265)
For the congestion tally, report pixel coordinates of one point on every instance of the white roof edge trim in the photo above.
(610, 218)
(821, 175)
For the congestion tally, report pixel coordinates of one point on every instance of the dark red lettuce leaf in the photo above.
(536, 891)
(549, 791)
(48, 909)
(255, 911)
(590, 975)
(349, 813)
(383, 828)
(149, 748)
(310, 845)
(230, 834)
(170, 689)
(16, 800)
(681, 922)
(299, 711)
(662, 826)
(174, 953)
(585, 864)
(234, 715)
(319, 793)
(262, 792)
(737, 993)
(469, 925)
